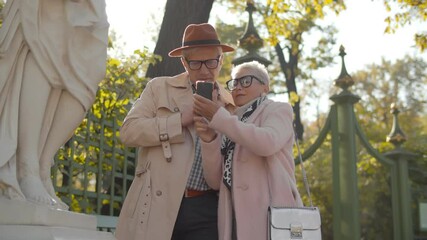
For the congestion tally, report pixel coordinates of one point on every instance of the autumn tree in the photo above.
(406, 12)
(286, 24)
(402, 82)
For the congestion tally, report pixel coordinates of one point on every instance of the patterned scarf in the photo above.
(227, 146)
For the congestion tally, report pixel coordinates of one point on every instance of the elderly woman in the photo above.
(247, 155)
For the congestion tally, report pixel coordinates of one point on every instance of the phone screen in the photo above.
(204, 89)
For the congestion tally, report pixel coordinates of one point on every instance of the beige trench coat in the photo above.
(152, 203)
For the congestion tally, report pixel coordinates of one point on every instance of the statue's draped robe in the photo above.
(68, 40)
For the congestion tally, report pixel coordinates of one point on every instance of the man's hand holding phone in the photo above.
(204, 100)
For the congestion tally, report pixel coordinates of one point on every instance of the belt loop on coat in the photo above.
(164, 139)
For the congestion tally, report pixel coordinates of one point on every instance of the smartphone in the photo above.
(204, 89)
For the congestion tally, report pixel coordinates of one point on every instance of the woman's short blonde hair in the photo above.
(260, 71)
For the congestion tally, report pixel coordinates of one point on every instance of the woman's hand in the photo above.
(205, 133)
(205, 107)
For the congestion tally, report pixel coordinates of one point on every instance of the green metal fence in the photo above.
(344, 128)
(93, 170)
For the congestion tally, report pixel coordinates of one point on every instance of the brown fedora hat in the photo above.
(199, 35)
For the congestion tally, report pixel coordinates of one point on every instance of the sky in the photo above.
(360, 27)
(361, 32)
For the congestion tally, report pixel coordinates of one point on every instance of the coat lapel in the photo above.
(182, 95)
(258, 111)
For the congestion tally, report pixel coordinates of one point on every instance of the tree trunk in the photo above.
(178, 14)
(289, 69)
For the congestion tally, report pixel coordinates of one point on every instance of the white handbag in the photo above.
(294, 223)
(302, 223)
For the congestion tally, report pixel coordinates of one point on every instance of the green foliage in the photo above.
(402, 82)
(1, 8)
(123, 82)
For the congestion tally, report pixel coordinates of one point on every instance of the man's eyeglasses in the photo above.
(209, 63)
(245, 82)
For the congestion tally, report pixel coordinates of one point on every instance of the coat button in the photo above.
(176, 109)
(159, 193)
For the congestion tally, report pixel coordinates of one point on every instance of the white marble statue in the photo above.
(52, 58)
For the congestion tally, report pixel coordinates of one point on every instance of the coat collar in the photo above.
(259, 110)
(181, 80)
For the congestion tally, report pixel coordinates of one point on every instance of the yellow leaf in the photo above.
(293, 98)
(114, 62)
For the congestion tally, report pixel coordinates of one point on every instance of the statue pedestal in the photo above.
(22, 221)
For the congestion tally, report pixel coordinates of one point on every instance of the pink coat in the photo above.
(262, 160)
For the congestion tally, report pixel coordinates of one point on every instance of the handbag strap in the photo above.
(304, 175)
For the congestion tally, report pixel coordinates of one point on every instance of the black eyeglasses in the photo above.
(245, 82)
(197, 64)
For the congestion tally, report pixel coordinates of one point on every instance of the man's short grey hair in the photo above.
(260, 71)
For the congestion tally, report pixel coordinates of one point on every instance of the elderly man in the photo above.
(169, 197)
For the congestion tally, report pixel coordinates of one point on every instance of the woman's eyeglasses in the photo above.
(245, 82)
(209, 63)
